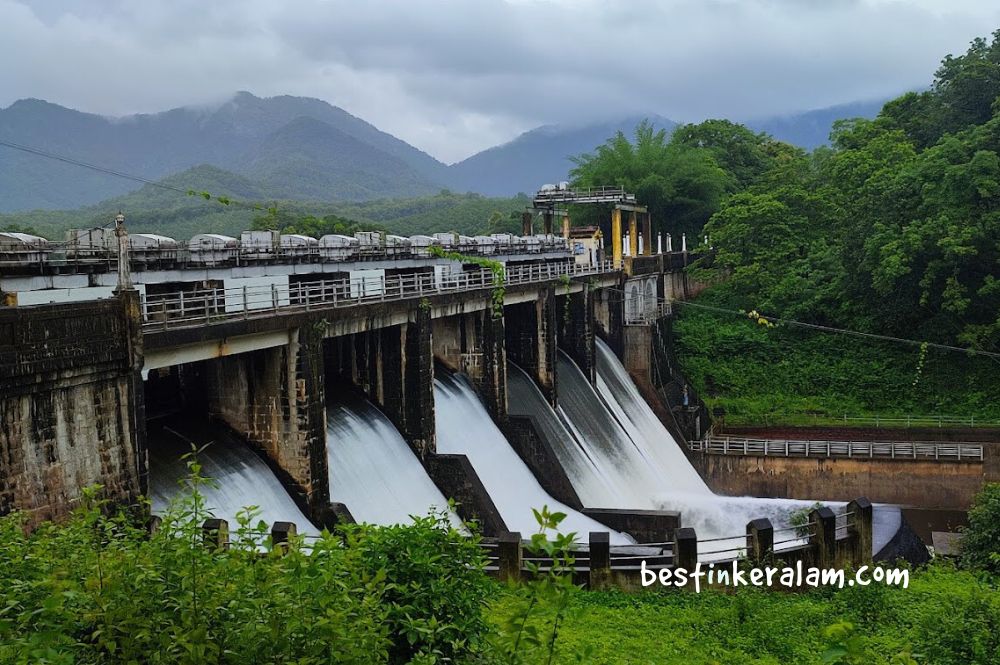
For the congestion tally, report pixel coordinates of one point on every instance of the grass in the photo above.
(946, 616)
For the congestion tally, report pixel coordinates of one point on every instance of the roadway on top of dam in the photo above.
(187, 326)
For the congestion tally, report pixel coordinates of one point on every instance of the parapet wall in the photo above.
(70, 404)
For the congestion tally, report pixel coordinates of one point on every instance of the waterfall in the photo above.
(372, 468)
(464, 427)
(239, 478)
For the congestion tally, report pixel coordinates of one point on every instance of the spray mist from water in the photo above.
(464, 427)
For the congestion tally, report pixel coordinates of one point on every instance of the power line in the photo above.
(829, 329)
(119, 174)
(841, 331)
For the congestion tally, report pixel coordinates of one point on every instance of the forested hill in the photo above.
(235, 203)
(296, 134)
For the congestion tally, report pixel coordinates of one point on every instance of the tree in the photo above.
(744, 154)
(681, 185)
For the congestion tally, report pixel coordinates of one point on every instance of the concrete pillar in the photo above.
(281, 533)
(530, 331)
(418, 382)
(546, 308)
(526, 219)
(647, 234)
(547, 221)
(859, 530)
(824, 536)
(616, 237)
(510, 556)
(600, 559)
(633, 234)
(565, 226)
(577, 338)
(760, 539)
(276, 399)
(215, 534)
(670, 245)
(685, 549)
(493, 384)
(684, 242)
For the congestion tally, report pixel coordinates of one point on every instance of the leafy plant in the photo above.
(980, 545)
(531, 632)
(496, 268)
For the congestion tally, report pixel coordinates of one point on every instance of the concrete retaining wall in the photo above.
(71, 405)
(927, 484)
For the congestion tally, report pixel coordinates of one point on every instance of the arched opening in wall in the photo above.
(633, 302)
(213, 412)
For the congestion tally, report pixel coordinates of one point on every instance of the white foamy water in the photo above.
(240, 479)
(372, 469)
(464, 427)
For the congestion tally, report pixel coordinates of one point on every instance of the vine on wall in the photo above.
(495, 267)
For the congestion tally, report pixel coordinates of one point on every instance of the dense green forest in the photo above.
(892, 230)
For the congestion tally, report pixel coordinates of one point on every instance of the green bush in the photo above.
(434, 586)
(981, 539)
(98, 589)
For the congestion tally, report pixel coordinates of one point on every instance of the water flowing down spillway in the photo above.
(373, 470)
(598, 472)
(464, 427)
(239, 478)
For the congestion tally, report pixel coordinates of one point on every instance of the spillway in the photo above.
(464, 427)
(240, 478)
(588, 447)
(373, 470)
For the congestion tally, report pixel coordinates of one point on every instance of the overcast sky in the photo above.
(455, 76)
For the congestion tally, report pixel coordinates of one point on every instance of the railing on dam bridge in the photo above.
(183, 309)
(901, 450)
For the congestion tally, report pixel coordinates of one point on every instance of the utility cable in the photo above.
(120, 174)
(829, 329)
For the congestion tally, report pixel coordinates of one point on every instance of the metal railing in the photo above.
(640, 313)
(903, 450)
(207, 306)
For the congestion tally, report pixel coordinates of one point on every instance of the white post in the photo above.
(659, 242)
(641, 238)
(684, 242)
(627, 246)
(670, 244)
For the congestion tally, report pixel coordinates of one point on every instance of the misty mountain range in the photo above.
(297, 148)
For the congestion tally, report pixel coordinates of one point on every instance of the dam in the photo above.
(373, 386)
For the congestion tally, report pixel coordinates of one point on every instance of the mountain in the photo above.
(228, 136)
(537, 157)
(811, 129)
(309, 159)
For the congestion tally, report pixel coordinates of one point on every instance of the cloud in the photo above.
(456, 76)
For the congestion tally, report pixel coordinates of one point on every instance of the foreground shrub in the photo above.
(98, 589)
(981, 539)
(434, 590)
